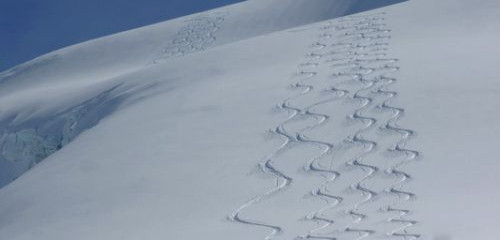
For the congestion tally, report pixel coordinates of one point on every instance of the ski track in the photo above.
(366, 29)
(363, 42)
(391, 125)
(298, 137)
(360, 31)
(411, 155)
(195, 36)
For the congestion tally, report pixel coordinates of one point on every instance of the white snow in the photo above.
(274, 119)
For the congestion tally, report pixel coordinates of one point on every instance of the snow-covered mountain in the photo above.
(266, 119)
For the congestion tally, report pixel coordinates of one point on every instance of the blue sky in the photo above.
(29, 28)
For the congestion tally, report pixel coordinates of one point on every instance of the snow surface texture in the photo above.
(261, 120)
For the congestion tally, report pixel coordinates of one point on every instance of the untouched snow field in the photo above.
(266, 119)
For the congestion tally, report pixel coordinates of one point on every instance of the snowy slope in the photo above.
(264, 119)
(79, 78)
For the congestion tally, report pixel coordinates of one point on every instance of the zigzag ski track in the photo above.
(354, 51)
